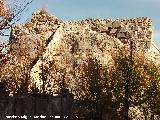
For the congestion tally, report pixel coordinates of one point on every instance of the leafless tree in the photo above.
(10, 13)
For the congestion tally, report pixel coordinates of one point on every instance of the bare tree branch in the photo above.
(8, 17)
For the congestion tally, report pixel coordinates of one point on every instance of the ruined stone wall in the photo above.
(138, 29)
(42, 27)
(68, 44)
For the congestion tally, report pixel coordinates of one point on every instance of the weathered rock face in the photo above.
(70, 47)
(29, 40)
(68, 44)
(34, 35)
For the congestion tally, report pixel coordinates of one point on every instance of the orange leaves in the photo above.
(4, 57)
(3, 8)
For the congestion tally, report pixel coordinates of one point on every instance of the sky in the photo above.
(80, 9)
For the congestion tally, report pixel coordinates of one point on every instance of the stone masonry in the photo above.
(68, 44)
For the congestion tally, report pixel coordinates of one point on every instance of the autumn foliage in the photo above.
(3, 8)
(99, 89)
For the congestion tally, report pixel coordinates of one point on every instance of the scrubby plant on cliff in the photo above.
(15, 71)
(102, 88)
(150, 98)
(95, 97)
(4, 53)
(143, 81)
(10, 13)
(4, 58)
(125, 69)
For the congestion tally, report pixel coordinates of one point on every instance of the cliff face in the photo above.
(68, 44)
(34, 34)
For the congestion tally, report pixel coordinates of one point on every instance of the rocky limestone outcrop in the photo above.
(28, 41)
(33, 35)
(67, 44)
(70, 47)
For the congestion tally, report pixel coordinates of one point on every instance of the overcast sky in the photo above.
(81, 9)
